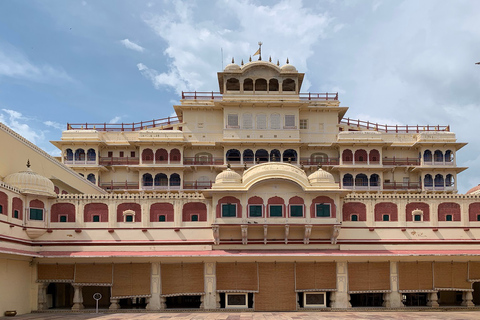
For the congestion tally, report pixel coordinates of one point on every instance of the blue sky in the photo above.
(394, 62)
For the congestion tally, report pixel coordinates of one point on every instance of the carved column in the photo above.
(42, 296)
(432, 299)
(210, 298)
(77, 297)
(467, 298)
(341, 296)
(394, 298)
(154, 302)
(114, 304)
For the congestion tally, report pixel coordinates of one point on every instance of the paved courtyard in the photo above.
(430, 315)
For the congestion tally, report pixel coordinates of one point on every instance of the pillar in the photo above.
(341, 297)
(467, 298)
(42, 296)
(114, 304)
(393, 299)
(432, 299)
(210, 298)
(77, 297)
(154, 302)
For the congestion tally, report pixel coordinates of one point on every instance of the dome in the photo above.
(30, 182)
(474, 190)
(322, 178)
(288, 68)
(232, 67)
(228, 176)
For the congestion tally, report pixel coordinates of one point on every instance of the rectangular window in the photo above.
(121, 154)
(247, 121)
(448, 217)
(1, 208)
(232, 120)
(290, 121)
(417, 217)
(132, 154)
(229, 210)
(129, 218)
(194, 217)
(161, 218)
(354, 217)
(36, 214)
(254, 211)
(110, 154)
(63, 218)
(275, 121)
(96, 218)
(385, 217)
(261, 121)
(303, 123)
(276, 210)
(296, 210)
(314, 300)
(478, 217)
(322, 210)
(236, 300)
(16, 214)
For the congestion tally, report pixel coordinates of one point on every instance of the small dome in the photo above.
(232, 67)
(30, 182)
(474, 190)
(322, 178)
(288, 68)
(228, 176)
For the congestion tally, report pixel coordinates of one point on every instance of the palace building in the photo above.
(257, 197)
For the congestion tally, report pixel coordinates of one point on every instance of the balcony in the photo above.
(391, 128)
(118, 161)
(402, 186)
(218, 96)
(401, 161)
(198, 161)
(80, 162)
(111, 186)
(323, 161)
(136, 126)
(197, 185)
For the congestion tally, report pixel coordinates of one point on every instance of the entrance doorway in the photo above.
(415, 299)
(183, 302)
(366, 300)
(450, 298)
(60, 296)
(89, 302)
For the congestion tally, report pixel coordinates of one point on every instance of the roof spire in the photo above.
(288, 61)
(233, 60)
(278, 62)
(250, 59)
(28, 163)
(242, 62)
(270, 59)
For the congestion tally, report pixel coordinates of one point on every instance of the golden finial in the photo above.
(250, 59)
(242, 62)
(287, 61)
(278, 62)
(233, 60)
(228, 165)
(270, 59)
(28, 163)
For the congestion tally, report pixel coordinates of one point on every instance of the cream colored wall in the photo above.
(16, 284)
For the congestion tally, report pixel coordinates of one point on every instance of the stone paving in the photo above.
(375, 315)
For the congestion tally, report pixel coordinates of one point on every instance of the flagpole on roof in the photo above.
(259, 51)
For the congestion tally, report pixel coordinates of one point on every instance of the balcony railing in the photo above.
(79, 161)
(400, 161)
(136, 126)
(401, 185)
(195, 161)
(323, 162)
(197, 185)
(391, 128)
(118, 161)
(218, 96)
(110, 186)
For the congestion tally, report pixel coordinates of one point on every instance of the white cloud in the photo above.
(16, 121)
(54, 124)
(115, 119)
(131, 45)
(15, 64)
(194, 41)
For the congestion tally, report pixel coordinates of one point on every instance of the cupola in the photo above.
(322, 178)
(30, 182)
(228, 176)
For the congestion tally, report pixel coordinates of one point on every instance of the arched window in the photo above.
(175, 180)
(273, 85)
(448, 156)
(175, 156)
(91, 178)
(427, 156)
(261, 155)
(428, 180)
(147, 180)
(247, 121)
(290, 155)
(288, 85)
(233, 155)
(361, 180)
(161, 180)
(449, 181)
(275, 156)
(260, 85)
(274, 121)
(439, 182)
(248, 84)
(347, 180)
(360, 156)
(374, 156)
(203, 158)
(91, 155)
(233, 84)
(248, 156)
(347, 156)
(261, 121)
(318, 157)
(147, 156)
(161, 155)
(374, 180)
(69, 155)
(438, 156)
(79, 155)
